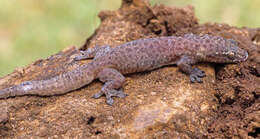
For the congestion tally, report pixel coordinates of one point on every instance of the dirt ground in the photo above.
(160, 103)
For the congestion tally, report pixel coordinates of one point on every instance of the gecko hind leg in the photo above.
(97, 51)
(113, 80)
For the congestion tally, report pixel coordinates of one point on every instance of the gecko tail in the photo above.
(7, 92)
(16, 90)
(4, 93)
(57, 85)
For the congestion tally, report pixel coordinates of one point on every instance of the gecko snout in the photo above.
(245, 56)
(240, 56)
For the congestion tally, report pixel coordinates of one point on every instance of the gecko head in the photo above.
(227, 51)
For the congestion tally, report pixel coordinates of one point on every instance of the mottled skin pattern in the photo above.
(109, 64)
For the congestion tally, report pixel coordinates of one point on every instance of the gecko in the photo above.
(109, 65)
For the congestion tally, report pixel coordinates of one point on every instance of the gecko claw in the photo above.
(109, 95)
(196, 75)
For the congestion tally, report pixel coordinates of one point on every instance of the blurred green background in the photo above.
(33, 29)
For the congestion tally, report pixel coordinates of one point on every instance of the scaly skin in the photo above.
(109, 64)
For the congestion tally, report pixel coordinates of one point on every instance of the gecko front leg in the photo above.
(113, 80)
(185, 64)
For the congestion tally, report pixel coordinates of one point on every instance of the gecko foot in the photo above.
(110, 94)
(196, 75)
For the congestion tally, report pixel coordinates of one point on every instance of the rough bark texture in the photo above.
(161, 103)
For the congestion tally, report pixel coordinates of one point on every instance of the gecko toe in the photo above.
(98, 95)
(195, 78)
(109, 95)
(109, 101)
(199, 80)
(196, 75)
(198, 72)
(192, 79)
(116, 93)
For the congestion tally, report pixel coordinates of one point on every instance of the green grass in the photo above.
(234, 12)
(33, 29)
